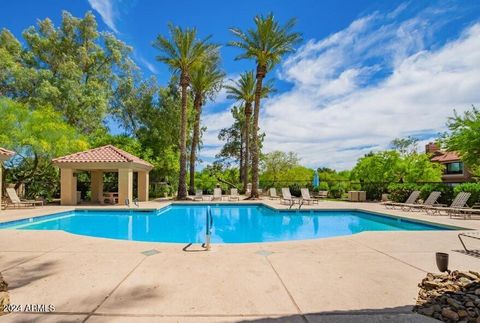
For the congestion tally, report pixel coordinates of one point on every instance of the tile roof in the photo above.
(6, 153)
(444, 157)
(104, 154)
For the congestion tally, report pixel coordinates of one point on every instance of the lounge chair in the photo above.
(198, 195)
(458, 203)
(217, 194)
(287, 197)
(465, 212)
(322, 194)
(273, 193)
(234, 195)
(306, 196)
(16, 201)
(428, 203)
(410, 200)
(472, 235)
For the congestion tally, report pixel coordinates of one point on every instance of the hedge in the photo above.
(473, 188)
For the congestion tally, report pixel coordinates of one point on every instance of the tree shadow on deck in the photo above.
(401, 314)
(24, 274)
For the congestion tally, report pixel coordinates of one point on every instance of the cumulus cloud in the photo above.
(106, 10)
(378, 79)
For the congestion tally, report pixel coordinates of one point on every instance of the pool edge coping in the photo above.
(170, 203)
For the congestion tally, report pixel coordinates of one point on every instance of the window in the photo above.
(454, 168)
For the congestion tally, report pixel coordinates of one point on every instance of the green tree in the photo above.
(36, 136)
(206, 81)
(391, 166)
(464, 138)
(378, 167)
(276, 163)
(267, 43)
(405, 146)
(73, 67)
(243, 90)
(233, 149)
(183, 53)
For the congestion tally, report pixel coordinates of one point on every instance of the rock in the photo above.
(469, 275)
(4, 300)
(469, 304)
(477, 291)
(453, 303)
(430, 285)
(478, 319)
(3, 284)
(462, 314)
(475, 274)
(449, 314)
(428, 311)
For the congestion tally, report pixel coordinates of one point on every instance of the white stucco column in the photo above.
(96, 180)
(143, 185)
(125, 185)
(68, 187)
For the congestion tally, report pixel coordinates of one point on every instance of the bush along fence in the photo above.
(398, 192)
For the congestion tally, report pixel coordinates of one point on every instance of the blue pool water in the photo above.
(231, 224)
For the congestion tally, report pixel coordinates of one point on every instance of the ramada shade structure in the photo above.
(4, 155)
(98, 161)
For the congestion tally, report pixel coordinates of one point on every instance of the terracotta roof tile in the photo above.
(448, 156)
(104, 154)
(6, 153)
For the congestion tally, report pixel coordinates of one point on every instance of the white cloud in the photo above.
(106, 10)
(148, 65)
(358, 89)
(330, 117)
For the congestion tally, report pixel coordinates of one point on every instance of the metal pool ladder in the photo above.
(208, 230)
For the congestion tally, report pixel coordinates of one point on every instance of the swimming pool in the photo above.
(186, 223)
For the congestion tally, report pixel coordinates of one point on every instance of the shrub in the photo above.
(295, 190)
(374, 190)
(399, 192)
(323, 186)
(336, 191)
(447, 192)
(473, 188)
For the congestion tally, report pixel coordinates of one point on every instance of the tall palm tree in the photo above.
(183, 52)
(243, 89)
(206, 81)
(267, 43)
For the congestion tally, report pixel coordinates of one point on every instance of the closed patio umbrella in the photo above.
(316, 179)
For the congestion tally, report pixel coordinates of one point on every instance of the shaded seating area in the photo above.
(15, 201)
(98, 161)
(5, 154)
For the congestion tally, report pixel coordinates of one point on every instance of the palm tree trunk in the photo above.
(197, 105)
(248, 113)
(182, 180)
(242, 153)
(261, 71)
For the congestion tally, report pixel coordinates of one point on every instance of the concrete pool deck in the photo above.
(370, 276)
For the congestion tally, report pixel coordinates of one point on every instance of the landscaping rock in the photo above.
(453, 297)
(4, 298)
(449, 314)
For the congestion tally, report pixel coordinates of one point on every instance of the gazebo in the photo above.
(4, 155)
(98, 161)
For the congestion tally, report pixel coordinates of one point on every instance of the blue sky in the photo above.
(366, 72)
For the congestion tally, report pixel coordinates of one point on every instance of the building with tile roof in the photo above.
(455, 170)
(98, 161)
